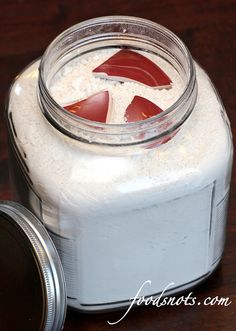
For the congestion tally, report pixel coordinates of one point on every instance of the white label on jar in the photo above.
(66, 250)
(164, 243)
(219, 227)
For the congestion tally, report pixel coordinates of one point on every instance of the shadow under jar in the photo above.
(123, 202)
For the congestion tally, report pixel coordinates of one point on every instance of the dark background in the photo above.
(208, 29)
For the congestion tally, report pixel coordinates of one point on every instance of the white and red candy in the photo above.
(125, 65)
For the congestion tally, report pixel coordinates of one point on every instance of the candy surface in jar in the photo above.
(80, 81)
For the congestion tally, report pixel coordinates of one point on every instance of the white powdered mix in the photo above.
(76, 81)
(127, 217)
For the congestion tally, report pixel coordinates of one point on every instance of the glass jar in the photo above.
(123, 203)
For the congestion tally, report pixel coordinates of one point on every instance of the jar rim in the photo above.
(44, 93)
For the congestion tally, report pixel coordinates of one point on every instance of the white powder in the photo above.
(127, 217)
(76, 81)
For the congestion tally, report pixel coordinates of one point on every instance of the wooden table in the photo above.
(208, 29)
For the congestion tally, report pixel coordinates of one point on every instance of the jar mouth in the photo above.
(112, 31)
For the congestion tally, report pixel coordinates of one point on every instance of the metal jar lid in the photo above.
(32, 283)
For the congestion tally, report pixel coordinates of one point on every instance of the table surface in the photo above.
(208, 29)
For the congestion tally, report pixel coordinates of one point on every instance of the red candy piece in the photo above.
(141, 109)
(94, 108)
(129, 65)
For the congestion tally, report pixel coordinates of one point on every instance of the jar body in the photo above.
(119, 218)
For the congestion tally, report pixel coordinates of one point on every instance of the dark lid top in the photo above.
(32, 284)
